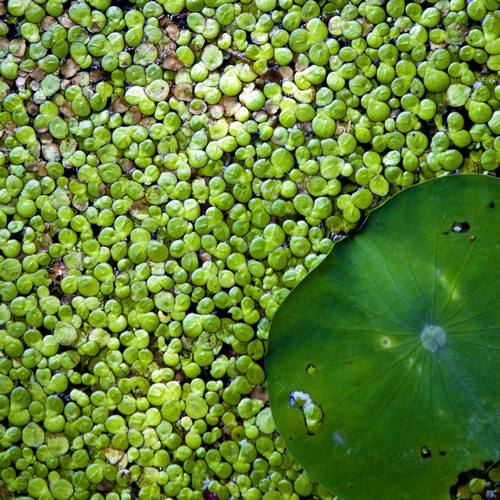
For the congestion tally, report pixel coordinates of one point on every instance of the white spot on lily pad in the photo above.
(299, 398)
(338, 438)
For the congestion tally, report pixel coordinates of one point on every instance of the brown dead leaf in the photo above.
(172, 63)
(260, 394)
(183, 91)
(69, 68)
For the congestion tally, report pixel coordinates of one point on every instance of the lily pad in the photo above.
(384, 363)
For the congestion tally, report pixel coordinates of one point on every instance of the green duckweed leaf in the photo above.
(383, 364)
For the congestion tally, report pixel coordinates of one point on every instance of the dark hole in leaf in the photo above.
(425, 452)
(460, 227)
(492, 205)
(310, 369)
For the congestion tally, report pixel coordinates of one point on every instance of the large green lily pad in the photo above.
(384, 363)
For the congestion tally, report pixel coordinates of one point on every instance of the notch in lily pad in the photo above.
(402, 326)
(311, 410)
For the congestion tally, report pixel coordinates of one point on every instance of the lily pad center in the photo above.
(433, 337)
